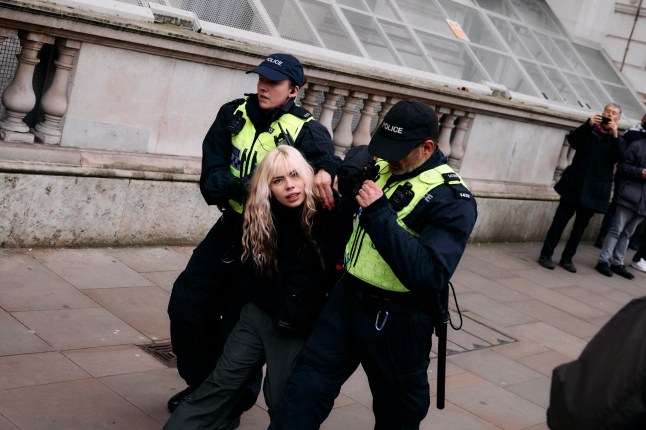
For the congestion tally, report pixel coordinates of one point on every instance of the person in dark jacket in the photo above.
(414, 222)
(605, 388)
(290, 251)
(202, 307)
(585, 185)
(635, 133)
(630, 212)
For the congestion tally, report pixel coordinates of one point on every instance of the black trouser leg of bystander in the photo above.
(581, 221)
(564, 212)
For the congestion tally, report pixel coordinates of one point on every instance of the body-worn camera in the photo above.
(237, 122)
(369, 172)
(402, 196)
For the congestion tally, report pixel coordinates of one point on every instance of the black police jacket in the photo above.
(426, 263)
(217, 183)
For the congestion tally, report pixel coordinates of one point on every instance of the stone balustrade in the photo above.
(141, 96)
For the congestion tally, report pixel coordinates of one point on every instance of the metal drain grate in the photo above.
(473, 335)
(162, 352)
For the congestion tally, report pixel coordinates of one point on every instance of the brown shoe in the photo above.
(546, 262)
(567, 265)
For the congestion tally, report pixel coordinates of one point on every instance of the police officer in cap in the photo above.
(202, 309)
(414, 222)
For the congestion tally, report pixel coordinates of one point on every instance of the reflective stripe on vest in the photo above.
(246, 152)
(362, 259)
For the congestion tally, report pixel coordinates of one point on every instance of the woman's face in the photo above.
(272, 94)
(288, 187)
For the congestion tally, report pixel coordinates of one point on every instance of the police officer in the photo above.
(202, 310)
(414, 222)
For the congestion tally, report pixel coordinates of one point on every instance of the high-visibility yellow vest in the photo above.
(248, 149)
(362, 260)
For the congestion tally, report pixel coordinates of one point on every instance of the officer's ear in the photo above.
(294, 91)
(428, 147)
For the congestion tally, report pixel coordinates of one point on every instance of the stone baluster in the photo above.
(385, 107)
(311, 96)
(343, 131)
(329, 107)
(19, 97)
(54, 101)
(564, 160)
(447, 118)
(458, 143)
(362, 135)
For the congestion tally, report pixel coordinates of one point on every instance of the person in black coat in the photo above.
(585, 185)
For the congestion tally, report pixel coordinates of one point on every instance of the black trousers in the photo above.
(201, 310)
(564, 212)
(395, 359)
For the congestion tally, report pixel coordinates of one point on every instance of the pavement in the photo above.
(73, 323)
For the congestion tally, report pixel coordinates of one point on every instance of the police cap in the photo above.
(278, 67)
(407, 124)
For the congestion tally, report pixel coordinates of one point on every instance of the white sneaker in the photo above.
(639, 265)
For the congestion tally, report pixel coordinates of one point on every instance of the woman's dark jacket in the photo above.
(294, 294)
(632, 187)
(588, 180)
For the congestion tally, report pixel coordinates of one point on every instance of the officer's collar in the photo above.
(434, 160)
(253, 98)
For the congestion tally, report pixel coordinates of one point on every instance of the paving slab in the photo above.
(492, 403)
(143, 308)
(544, 362)
(80, 328)
(494, 367)
(26, 284)
(145, 260)
(90, 268)
(148, 391)
(75, 405)
(36, 369)
(16, 338)
(113, 360)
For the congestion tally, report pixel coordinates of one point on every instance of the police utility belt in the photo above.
(378, 299)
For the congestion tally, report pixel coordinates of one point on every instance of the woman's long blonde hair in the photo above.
(259, 239)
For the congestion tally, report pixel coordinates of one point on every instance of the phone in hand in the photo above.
(605, 120)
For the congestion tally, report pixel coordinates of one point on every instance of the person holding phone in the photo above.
(586, 184)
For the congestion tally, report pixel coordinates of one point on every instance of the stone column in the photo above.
(362, 135)
(385, 107)
(54, 101)
(465, 119)
(311, 95)
(343, 131)
(329, 107)
(447, 118)
(19, 97)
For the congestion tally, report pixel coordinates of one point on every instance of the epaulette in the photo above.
(236, 102)
(300, 112)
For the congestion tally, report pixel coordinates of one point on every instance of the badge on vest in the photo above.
(450, 176)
